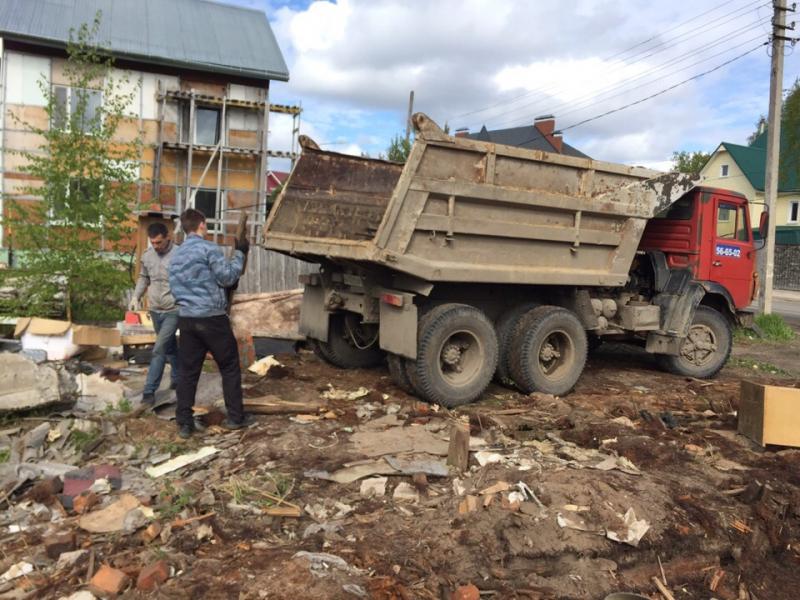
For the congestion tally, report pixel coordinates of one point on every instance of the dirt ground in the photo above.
(723, 513)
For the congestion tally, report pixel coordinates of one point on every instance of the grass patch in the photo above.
(5, 454)
(757, 365)
(259, 490)
(82, 439)
(775, 328)
(173, 501)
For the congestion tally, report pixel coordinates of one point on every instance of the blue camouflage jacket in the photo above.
(199, 274)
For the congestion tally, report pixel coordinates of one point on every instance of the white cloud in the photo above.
(353, 62)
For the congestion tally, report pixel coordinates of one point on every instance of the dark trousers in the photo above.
(198, 336)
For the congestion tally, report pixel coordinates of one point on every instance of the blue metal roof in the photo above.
(197, 34)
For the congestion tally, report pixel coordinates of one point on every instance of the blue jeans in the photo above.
(165, 349)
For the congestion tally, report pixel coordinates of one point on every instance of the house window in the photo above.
(77, 190)
(206, 126)
(71, 102)
(207, 202)
(723, 171)
(794, 212)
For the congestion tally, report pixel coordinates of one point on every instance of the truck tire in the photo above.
(349, 345)
(456, 355)
(505, 327)
(705, 350)
(398, 371)
(548, 351)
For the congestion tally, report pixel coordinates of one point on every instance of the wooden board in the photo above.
(769, 414)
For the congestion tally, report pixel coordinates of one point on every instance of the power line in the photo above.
(540, 91)
(589, 101)
(725, 38)
(651, 96)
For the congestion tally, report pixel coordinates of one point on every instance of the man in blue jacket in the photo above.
(198, 277)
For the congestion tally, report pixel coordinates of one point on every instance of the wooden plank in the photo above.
(272, 405)
(458, 450)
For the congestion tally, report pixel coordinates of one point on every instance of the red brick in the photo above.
(108, 581)
(84, 502)
(55, 545)
(466, 592)
(152, 576)
(152, 532)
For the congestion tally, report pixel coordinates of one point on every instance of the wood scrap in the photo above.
(283, 511)
(458, 450)
(273, 405)
(663, 589)
(178, 523)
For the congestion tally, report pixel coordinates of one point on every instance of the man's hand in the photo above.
(133, 305)
(243, 245)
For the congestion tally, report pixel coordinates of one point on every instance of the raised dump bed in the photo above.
(472, 211)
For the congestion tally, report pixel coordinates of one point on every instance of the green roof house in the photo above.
(742, 169)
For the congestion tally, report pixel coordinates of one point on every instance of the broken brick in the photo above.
(108, 581)
(151, 532)
(55, 545)
(152, 576)
(84, 502)
(466, 592)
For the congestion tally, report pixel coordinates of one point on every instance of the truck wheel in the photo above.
(505, 327)
(399, 372)
(456, 355)
(705, 350)
(548, 351)
(351, 344)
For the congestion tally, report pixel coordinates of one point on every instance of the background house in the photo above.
(542, 135)
(201, 74)
(742, 169)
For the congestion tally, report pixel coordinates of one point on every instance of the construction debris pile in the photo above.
(346, 487)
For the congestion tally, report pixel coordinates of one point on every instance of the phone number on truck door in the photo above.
(730, 251)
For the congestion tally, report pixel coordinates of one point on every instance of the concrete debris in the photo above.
(73, 559)
(125, 514)
(405, 492)
(322, 563)
(97, 394)
(375, 486)
(333, 393)
(17, 570)
(25, 385)
(485, 457)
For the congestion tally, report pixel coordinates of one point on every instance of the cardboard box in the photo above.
(62, 339)
(770, 414)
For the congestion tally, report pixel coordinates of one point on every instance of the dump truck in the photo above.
(475, 261)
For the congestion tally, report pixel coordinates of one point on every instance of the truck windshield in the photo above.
(680, 211)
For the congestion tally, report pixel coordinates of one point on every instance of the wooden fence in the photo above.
(269, 271)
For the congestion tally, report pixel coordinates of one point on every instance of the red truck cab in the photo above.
(708, 231)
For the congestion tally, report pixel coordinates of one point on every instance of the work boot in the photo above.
(185, 431)
(245, 422)
(149, 399)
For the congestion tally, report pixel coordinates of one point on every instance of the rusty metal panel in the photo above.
(331, 195)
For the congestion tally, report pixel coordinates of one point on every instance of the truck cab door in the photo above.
(731, 255)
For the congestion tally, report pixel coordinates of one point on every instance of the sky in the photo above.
(502, 63)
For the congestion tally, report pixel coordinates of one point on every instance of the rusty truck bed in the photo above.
(472, 211)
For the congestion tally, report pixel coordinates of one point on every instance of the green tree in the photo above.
(398, 149)
(689, 162)
(69, 224)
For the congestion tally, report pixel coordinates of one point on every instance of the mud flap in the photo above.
(398, 327)
(314, 319)
(678, 304)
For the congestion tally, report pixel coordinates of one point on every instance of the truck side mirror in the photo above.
(763, 225)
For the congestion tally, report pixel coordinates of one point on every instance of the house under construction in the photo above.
(200, 72)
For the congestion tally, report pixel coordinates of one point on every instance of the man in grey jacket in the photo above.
(154, 277)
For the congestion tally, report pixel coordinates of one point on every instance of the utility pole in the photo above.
(410, 112)
(773, 149)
